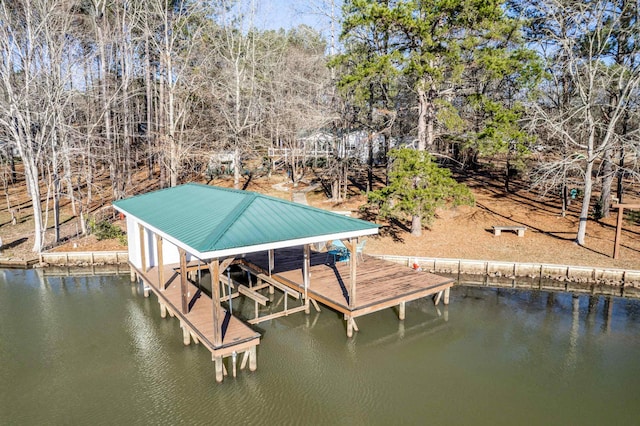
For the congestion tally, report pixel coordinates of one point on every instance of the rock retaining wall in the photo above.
(536, 271)
(74, 258)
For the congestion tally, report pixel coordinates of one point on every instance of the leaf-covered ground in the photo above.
(464, 232)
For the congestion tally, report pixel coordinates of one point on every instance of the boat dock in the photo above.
(380, 284)
(178, 235)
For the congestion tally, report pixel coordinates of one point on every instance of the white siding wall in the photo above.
(170, 252)
(132, 241)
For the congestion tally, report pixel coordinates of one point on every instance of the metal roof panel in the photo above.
(208, 218)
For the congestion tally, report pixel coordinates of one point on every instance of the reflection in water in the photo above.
(572, 353)
(92, 350)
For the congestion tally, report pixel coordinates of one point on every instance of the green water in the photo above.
(92, 350)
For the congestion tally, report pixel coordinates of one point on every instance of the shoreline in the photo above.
(536, 271)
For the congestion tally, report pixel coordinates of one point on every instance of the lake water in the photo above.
(92, 350)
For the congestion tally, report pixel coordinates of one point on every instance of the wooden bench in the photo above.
(519, 229)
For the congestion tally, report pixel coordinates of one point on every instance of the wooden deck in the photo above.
(380, 284)
(198, 321)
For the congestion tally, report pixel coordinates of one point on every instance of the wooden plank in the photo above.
(291, 292)
(224, 280)
(277, 315)
(242, 289)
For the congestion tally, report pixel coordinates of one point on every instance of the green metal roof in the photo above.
(209, 218)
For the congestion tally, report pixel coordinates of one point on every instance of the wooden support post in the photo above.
(445, 300)
(401, 311)
(306, 278)
(183, 280)
(219, 366)
(143, 257)
(271, 261)
(620, 207)
(186, 335)
(214, 270)
(161, 283)
(245, 358)
(194, 336)
(315, 305)
(163, 310)
(132, 273)
(351, 245)
(437, 297)
(234, 358)
(349, 327)
(253, 361)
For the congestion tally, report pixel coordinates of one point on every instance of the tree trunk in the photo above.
(422, 119)
(416, 226)
(31, 178)
(426, 116)
(149, 104)
(586, 200)
(607, 181)
(620, 175)
(236, 167)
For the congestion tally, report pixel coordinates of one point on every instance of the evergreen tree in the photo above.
(448, 52)
(417, 187)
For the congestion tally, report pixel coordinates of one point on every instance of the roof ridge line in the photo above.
(226, 223)
(308, 207)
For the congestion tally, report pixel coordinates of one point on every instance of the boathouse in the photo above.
(176, 234)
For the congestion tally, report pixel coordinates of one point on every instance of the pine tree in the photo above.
(417, 187)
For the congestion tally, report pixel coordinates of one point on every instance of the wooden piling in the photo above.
(253, 360)
(219, 367)
(401, 311)
(186, 335)
(234, 359)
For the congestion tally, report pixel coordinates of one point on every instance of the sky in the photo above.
(276, 14)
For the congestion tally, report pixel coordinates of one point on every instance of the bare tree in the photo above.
(577, 35)
(32, 90)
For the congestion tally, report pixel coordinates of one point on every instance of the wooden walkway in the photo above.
(380, 284)
(197, 323)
